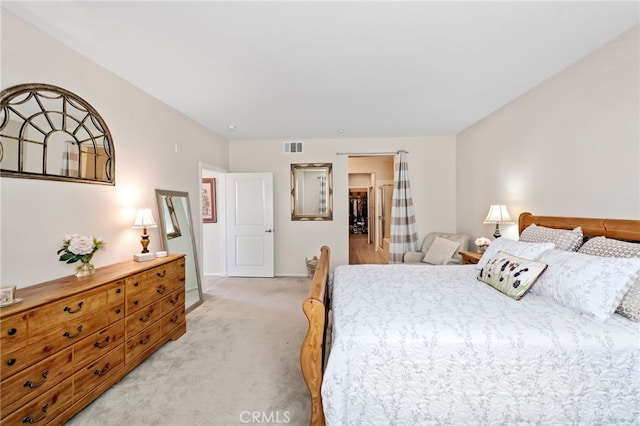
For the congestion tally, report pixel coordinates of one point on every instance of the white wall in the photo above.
(568, 147)
(37, 214)
(431, 169)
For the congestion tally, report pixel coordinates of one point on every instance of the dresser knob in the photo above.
(161, 274)
(11, 361)
(118, 290)
(161, 289)
(136, 284)
(118, 311)
(12, 331)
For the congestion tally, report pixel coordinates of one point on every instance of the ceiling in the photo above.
(296, 70)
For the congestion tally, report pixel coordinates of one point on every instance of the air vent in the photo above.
(292, 147)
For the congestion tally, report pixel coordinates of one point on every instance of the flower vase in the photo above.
(85, 269)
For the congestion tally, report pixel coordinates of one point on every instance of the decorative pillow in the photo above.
(441, 250)
(607, 247)
(511, 275)
(588, 284)
(564, 239)
(515, 248)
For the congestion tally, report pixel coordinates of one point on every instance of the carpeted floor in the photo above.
(238, 364)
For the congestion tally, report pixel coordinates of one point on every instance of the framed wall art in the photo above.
(209, 200)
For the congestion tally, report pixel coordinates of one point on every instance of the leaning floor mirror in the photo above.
(177, 237)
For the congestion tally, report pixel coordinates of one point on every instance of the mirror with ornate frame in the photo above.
(47, 132)
(177, 237)
(311, 191)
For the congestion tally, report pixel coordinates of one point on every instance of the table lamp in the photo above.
(498, 214)
(144, 220)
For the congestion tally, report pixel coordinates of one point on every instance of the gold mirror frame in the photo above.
(312, 191)
(47, 132)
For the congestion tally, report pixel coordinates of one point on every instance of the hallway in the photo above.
(360, 252)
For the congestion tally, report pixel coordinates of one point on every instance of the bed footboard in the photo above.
(312, 353)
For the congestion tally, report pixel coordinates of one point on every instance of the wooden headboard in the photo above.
(621, 229)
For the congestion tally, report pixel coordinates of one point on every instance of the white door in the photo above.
(249, 201)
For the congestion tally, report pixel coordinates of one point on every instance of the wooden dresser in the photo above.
(72, 338)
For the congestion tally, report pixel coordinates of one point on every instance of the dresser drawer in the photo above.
(14, 332)
(43, 408)
(143, 341)
(115, 313)
(115, 293)
(98, 344)
(172, 320)
(55, 314)
(98, 372)
(142, 318)
(34, 381)
(173, 301)
(13, 361)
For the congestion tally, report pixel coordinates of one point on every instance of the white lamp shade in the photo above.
(144, 219)
(498, 214)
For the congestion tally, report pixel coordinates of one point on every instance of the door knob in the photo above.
(269, 230)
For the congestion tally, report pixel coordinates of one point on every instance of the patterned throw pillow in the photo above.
(592, 285)
(511, 275)
(607, 247)
(564, 239)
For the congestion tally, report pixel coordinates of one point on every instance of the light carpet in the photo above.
(237, 364)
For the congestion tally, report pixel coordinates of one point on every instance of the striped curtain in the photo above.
(70, 160)
(323, 194)
(404, 236)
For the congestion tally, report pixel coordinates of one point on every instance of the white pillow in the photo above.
(528, 251)
(588, 284)
(441, 249)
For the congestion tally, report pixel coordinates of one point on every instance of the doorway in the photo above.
(366, 173)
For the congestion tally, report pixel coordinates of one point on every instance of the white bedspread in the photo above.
(432, 345)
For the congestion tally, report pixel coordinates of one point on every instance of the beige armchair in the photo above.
(442, 252)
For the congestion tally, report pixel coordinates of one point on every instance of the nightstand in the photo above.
(470, 257)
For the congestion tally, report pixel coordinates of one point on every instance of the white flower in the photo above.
(81, 245)
(482, 241)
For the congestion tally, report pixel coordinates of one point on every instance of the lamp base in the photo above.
(143, 257)
(497, 234)
(145, 242)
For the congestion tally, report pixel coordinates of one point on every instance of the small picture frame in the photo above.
(209, 200)
(7, 294)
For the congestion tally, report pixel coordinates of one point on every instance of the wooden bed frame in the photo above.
(316, 307)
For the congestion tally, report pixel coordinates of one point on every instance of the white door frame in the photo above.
(220, 214)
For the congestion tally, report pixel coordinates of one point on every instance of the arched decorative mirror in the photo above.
(47, 132)
(311, 191)
(176, 231)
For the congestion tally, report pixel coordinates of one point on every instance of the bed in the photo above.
(406, 345)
